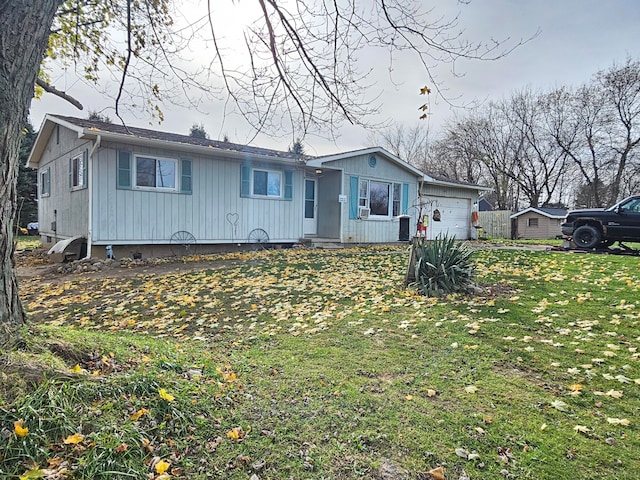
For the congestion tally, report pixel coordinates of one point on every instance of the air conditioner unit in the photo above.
(363, 212)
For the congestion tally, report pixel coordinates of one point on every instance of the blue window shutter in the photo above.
(288, 184)
(70, 173)
(245, 181)
(405, 199)
(186, 183)
(354, 185)
(124, 170)
(85, 172)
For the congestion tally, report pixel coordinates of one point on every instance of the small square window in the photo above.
(267, 183)
(533, 222)
(156, 173)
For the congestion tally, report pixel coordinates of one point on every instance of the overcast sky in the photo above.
(577, 38)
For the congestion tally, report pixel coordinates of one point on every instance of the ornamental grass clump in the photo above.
(443, 266)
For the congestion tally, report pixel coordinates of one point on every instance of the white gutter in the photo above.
(96, 145)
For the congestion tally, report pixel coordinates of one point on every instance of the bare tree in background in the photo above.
(410, 144)
(598, 127)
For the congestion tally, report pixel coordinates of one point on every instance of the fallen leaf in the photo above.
(471, 389)
(431, 392)
(139, 413)
(73, 439)
(235, 433)
(559, 405)
(32, 473)
(121, 448)
(436, 473)
(462, 453)
(78, 369)
(162, 466)
(581, 429)
(19, 429)
(165, 396)
(614, 394)
(618, 421)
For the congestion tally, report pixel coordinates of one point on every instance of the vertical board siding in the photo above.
(140, 216)
(68, 208)
(356, 230)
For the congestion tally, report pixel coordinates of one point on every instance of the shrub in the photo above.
(442, 266)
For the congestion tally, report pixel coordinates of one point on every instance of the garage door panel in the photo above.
(454, 214)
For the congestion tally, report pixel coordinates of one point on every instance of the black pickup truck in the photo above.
(600, 228)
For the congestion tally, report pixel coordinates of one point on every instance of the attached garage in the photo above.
(450, 216)
(448, 207)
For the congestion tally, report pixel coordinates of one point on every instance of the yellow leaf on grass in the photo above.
(618, 421)
(73, 439)
(409, 397)
(576, 387)
(614, 394)
(581, 429)
(165, 396)
(162, 466)
(19, 429)
(33, 473)
(431, 392)
(139, 413)
(77, 369)
(235, 433)
(471, 389)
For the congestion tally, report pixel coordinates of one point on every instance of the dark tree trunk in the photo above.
(24, 33)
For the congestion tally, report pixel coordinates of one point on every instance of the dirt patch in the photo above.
(35, 265)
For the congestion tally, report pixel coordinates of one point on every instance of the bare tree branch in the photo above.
(65, 96)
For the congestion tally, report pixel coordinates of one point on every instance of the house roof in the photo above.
(92, 129)
(322, 160)
(448, 182)
(544, 211)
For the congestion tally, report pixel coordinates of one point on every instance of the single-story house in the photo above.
(539, 222)
(127, 189)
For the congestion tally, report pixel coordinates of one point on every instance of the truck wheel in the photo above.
(586, 236)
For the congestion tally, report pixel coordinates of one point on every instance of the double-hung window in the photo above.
(78, 166)
(45, 182)
(382, 198)
(152, 172)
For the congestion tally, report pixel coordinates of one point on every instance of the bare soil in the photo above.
(35, 264)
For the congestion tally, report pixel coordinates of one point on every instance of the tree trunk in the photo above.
(24, 32)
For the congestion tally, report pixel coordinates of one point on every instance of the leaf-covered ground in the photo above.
(319, 364)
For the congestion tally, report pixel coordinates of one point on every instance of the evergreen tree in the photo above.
(297, 147)
(98, 117)
(198, 131)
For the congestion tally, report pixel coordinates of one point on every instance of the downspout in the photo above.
(96, 145)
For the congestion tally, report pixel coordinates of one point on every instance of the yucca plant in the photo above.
(442, 266)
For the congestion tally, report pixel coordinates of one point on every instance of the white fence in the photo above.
(495, 224)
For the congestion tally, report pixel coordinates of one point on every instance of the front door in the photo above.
(310, 207)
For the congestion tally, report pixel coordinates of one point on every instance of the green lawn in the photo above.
(313, 364)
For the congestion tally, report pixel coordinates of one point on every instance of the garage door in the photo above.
(449, 216)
